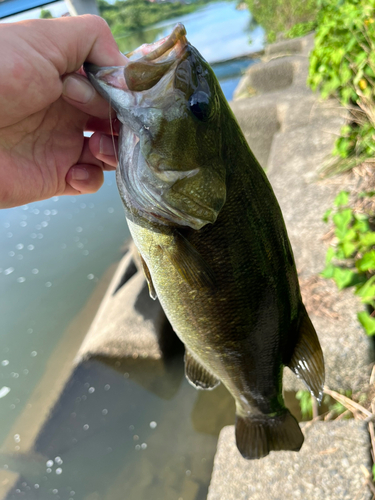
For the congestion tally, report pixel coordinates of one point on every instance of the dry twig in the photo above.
(346, 413)
(348, 403)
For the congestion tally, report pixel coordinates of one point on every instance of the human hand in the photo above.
(46, 105)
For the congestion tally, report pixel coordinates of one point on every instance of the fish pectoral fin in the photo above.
(197, 375)
(307, 360)
(189, 263)
(147, 273)
(257, 436)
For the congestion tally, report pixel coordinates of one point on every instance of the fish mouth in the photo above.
(144, 66)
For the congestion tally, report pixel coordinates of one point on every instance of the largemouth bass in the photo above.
(211, 235)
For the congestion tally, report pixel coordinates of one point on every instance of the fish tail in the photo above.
(257, 436)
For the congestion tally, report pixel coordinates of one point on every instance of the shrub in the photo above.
(343, 60)
(278, 16)
(301, 29)
(342, 64)
(45, 14)
(134, 15)
(351, 261)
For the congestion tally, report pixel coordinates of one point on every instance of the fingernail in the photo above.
(78, 89)
(106, 146)
(79, 174)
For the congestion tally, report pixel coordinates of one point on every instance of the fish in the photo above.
(211, 237)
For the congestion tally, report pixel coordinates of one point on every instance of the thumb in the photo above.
(83, 179)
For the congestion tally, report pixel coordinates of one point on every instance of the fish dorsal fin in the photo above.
(197, 375)
(147, 273)
(189, 263)
(307, 359)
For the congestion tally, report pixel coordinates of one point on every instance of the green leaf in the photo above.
(367, 262)
(328, 271)
(305, 403)
(350, 235)
(366, 194)
(341, 199)
(360, 57)
(340, 253)
(342, 220)
(349, 248)
(343, 277)
(361, 225)
(367, 239)
(326, 215)
(367, 321)
(366, 290)
(330, 254)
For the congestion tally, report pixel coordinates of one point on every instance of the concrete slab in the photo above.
(328, 466)
(129, 324)
(284, 63)
(267, 77)
(130, 331)
(303, 45)
(259, 122)
(285, 47)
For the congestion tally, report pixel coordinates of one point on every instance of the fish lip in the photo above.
(112, 76)
(161, 54)
(161, 47)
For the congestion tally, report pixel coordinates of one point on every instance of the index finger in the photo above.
(70, 41)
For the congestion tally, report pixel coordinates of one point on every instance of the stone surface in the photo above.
(328, 466)
(285, 47)
(129, 324)
(130, 332)
(267, 77)
(259, 122)
(276, 71)
(300, 139)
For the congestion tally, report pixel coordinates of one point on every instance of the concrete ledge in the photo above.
(328, 466)
(259, 123)
(129, 324)
(293, 46)
(131, 333)
(289, 47)
(267, 77)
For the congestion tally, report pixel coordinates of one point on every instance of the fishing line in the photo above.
(126, 194)
(111, 127)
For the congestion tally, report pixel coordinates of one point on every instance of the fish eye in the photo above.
(199, 104)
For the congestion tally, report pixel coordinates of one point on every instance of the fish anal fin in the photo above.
(197, 375)
(148, 278)
(307, 360)
(189, 263)
(257, 436)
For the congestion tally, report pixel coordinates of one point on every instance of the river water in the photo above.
(53, 256)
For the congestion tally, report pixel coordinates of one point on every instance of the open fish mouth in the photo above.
(157, 95)
(144, 66)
